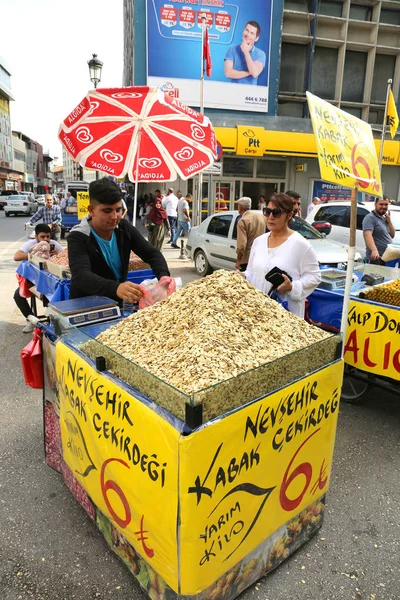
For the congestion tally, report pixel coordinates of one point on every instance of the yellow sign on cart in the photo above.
(83, 204)
(249, 473)
(125, 456)
(373, 339)
(345, 147)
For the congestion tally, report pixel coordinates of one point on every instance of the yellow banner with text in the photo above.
(246, 475)
(83, 204)
(345, 147)
(373, 339)
(125, 456)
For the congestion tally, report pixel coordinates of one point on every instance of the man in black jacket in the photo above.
(100, 245)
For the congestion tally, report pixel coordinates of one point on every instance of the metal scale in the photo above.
(82, 311)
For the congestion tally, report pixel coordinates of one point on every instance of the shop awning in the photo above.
(287, 143)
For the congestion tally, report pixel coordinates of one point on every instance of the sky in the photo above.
(47, 52)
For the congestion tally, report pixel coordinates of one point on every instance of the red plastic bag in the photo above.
(32, 361)
(24, 286)
(161, 290)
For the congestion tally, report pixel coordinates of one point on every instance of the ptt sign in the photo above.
(250, 141)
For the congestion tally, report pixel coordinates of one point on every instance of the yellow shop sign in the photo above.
(250, 141)
(83, 204)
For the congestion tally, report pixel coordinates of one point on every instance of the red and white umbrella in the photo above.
(141, 132)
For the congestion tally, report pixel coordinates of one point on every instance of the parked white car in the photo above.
(20, 204)
(212, 245)
(338, 215)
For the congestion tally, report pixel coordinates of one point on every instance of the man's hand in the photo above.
(286, 286)
(237, 265)
(130, 292)
(388, 217)
(245, 47)
(375, 254)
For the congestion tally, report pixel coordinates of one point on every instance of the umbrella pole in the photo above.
(136, 182)
(350, 264)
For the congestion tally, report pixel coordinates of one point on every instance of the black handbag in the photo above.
(275, 278)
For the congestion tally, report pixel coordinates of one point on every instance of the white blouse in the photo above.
(295, 256)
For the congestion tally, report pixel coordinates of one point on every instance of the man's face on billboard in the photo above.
(250, 34)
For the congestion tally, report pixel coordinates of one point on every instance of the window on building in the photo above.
(332, 8)
(19, 155)
(324, 72)
(354, 76)
(376, 116)
(383, 70)
(238, 166)
(360, 12)
(290, 109)
(293, 68)
(271, 169)
(299, 5)
(390, 16)
(353, 110)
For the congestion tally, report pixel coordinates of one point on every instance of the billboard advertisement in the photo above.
(240, 46)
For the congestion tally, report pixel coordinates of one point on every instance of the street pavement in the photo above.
(50, 550)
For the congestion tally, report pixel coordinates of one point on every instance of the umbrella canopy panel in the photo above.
(141, 132)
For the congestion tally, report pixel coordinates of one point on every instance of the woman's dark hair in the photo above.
(105, 191)
(282, 201)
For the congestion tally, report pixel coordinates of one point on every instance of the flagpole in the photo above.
(384, 124)
(200, 190)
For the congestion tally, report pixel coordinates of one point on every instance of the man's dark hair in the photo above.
(157, 191)
(256, 25)
(293, 195)
(105, 191)
(42, 228)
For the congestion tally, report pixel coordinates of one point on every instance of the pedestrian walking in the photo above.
(183, 218)
(155, 223)
(295, 196)
(171, 204)
(250, 227)
(314, 203)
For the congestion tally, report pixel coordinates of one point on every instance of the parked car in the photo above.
(4, 194)
(212, 245)
(20, 204)
(338, 215)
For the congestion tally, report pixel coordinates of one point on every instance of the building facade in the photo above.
(343, 51)
(10, 177)
(74, 172)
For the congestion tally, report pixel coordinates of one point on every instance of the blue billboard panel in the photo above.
(240, 46)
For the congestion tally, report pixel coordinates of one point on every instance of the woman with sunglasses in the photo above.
(286, 249)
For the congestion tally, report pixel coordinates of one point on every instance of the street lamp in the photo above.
(95, 67)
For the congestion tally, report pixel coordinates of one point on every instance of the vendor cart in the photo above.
(372, 345)
(197, 504)
(55, 288)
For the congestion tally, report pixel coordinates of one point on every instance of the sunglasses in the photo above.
(275, 212)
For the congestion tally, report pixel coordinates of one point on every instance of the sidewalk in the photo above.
(178, 267)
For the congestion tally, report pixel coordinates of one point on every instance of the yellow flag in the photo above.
(392, 116)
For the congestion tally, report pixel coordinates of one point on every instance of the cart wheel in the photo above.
(353, 389)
